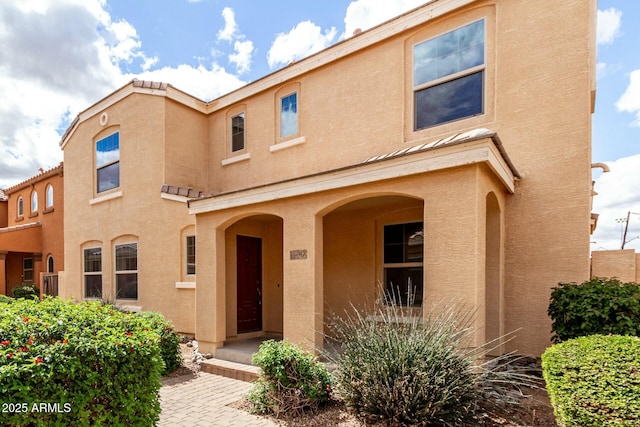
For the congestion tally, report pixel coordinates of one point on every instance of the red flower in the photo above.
(7, 342)
(129, 334)
(38, 360)
(30, 341)
(25, 348)
(131, 350)
(26, 319)
(10, 355)
(65, 341)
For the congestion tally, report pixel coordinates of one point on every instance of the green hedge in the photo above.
(594, 381)
(169, 340)
(26, 290)
(597, 306)
(82, 364)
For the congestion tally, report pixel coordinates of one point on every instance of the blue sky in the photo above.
(58, 57)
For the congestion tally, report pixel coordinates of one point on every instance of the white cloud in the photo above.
(51, 70)
(608, 27)
(618, 193)
(630, 100)
(364, 14)
(242, 56)
(230, 29)
(303, 40)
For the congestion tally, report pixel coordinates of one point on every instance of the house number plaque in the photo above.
(298, 254)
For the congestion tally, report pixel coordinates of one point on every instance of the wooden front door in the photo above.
(249, 284)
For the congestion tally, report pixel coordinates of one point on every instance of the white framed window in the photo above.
(126, 271)
(27, 269)
(92, 272)
(237, 133)
(49, 196)
(190, 255)
(20, 206)
(289, 115)
(34, 201)
(403, 262)
(108, 163)
(448, 76)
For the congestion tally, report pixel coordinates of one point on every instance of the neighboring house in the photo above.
(448, 149)
(31, 235)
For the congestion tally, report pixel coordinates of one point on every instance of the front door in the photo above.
(249, 273)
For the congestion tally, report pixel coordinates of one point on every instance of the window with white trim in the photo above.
(27, 269)
(448, 76)
(49, 196)
(289, 115)
(108, 163)
(92, 273)
(403, 263)
(237, 133)
(20, 206)
(127, 271)
(190, 255)
(34, 201)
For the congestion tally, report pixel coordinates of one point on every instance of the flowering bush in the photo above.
(26, 290)
(169, 340)
(91, 363)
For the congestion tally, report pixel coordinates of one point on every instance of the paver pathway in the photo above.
(202, 401)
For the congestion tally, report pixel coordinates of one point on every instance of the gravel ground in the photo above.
(536, 409)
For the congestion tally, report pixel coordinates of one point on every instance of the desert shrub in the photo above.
(597, 306)
(169, 340)
(594, 381)
(26, 290)
(92, 364)
(398, 367)
(291, 380)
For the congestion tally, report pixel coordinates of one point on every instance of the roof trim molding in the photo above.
(57, 170)
(474, 151)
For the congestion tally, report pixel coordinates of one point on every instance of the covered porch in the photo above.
(430, 215)
(20, 255)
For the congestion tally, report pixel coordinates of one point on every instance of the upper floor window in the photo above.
(403, 262)
(20, 206)
(289, 115)
(127, 271)
(93, 273)
(49, 196)
(108, 162)
(191, 254)
(237, 133)
(34, 201)
(448, 76)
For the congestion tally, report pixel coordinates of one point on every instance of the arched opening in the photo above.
(493, 276)
(370, 252)
(254, 276)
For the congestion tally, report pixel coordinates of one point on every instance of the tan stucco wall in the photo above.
(136, 213)
(622, 264)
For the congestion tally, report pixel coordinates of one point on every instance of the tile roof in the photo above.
(187, 192)
(149, 84)
(36, 178)
(3, 196)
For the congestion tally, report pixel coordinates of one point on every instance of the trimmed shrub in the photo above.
(397, 367)
(169, 340)
(26, 290)
(594, 381)
(5, 299)
(597, 306)
(91, 364)
(291, 380)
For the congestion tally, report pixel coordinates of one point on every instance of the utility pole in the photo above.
(626, 228)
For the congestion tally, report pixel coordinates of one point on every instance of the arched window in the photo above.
(49, 196)
(34, 201)
(50, 264)
(20, 206)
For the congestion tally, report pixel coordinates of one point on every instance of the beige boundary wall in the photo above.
(622, 264)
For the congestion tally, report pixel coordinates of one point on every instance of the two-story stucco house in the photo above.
(447, 151)
(31, 232)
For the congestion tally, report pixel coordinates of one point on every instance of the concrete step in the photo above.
(238, 355)
(235, 370)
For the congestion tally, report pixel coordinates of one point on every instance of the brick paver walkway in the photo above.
(202, 401)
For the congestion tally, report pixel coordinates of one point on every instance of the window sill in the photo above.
(20, 218)
(185, 285)
(33, 214)
(288, 144)
(106, 197)
(48, 210)
(236, 159)
(130, 308)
